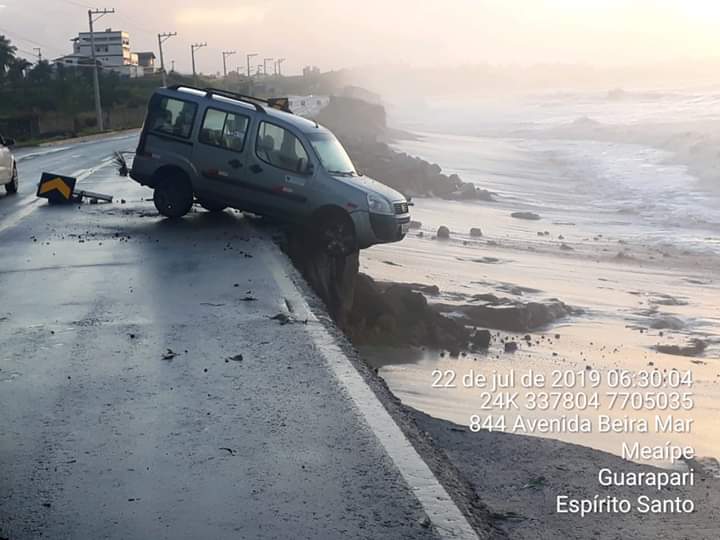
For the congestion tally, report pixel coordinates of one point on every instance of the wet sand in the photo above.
(631, 298)
(520, 478)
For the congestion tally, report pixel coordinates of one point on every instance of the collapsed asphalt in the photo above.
(144, 395)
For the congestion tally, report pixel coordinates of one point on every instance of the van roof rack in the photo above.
(282, 104)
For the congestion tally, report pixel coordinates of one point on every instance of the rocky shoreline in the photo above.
(362, 128)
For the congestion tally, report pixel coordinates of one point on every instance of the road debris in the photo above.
(59, 189)
(169, 354)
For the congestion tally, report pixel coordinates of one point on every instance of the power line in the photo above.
(20, 37)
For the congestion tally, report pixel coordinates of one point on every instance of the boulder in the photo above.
(396, 314)
(526, 215)
(509, 315)
(443, 233)
(481, 339)
(694, 348)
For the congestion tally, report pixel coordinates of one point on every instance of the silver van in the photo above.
(223, 149)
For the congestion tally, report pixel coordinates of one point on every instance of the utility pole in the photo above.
(278, 68)
(96, 77)
(249, 73)
(248, 57)
(162, 38)
(194, 47)
(265, 61)
(225, 55)
(38, 50)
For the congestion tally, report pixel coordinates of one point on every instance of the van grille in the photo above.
(401, 208)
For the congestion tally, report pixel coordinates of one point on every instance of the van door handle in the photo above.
(235, 164)
(256, 168)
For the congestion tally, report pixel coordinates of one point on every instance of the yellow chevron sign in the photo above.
(58, 184)
(56, 187)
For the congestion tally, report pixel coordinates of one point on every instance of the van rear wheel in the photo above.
(173, 198)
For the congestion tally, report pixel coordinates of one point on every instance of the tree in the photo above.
(41, 73)
(7, 55)
(16, 69)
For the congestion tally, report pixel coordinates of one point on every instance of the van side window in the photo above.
(280, 148)
(171, 116)
(224, 129)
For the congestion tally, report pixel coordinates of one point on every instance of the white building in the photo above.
(112, 52)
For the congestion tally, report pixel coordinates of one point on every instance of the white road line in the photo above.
(30, 202)
(447, 518)
(23, 157)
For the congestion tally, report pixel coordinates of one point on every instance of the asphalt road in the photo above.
(127, 412)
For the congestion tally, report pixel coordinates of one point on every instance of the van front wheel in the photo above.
(173, 199)
(335, 234)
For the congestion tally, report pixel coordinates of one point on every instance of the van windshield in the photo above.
(332, 155)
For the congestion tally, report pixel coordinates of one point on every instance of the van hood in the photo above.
(368, 185)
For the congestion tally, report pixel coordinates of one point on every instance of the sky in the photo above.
(334, 34)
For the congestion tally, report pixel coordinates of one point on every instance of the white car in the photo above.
(8, 167)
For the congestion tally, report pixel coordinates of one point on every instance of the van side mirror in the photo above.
(9, 142)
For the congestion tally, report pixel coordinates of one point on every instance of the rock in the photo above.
(468, 191)
(476, 232)
(508, 315)
(481, 339)
(565, 247)
(667, 323)
(443, 233)
(525, 215)
(694, 348)
(395, 314)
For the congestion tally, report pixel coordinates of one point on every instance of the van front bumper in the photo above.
(379, 229)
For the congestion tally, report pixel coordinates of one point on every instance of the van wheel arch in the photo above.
(332, 230)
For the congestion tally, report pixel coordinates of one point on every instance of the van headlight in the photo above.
(379, 205)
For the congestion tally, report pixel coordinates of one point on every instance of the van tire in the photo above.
(334, 233)
(211, 206)
(173, 197)
(12, 187)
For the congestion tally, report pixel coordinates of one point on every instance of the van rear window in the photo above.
(171, 116)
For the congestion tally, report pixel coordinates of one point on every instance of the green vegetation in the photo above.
(44, 101)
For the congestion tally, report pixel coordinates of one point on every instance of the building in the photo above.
(112, 52)
(311, 71)
(146, 60)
